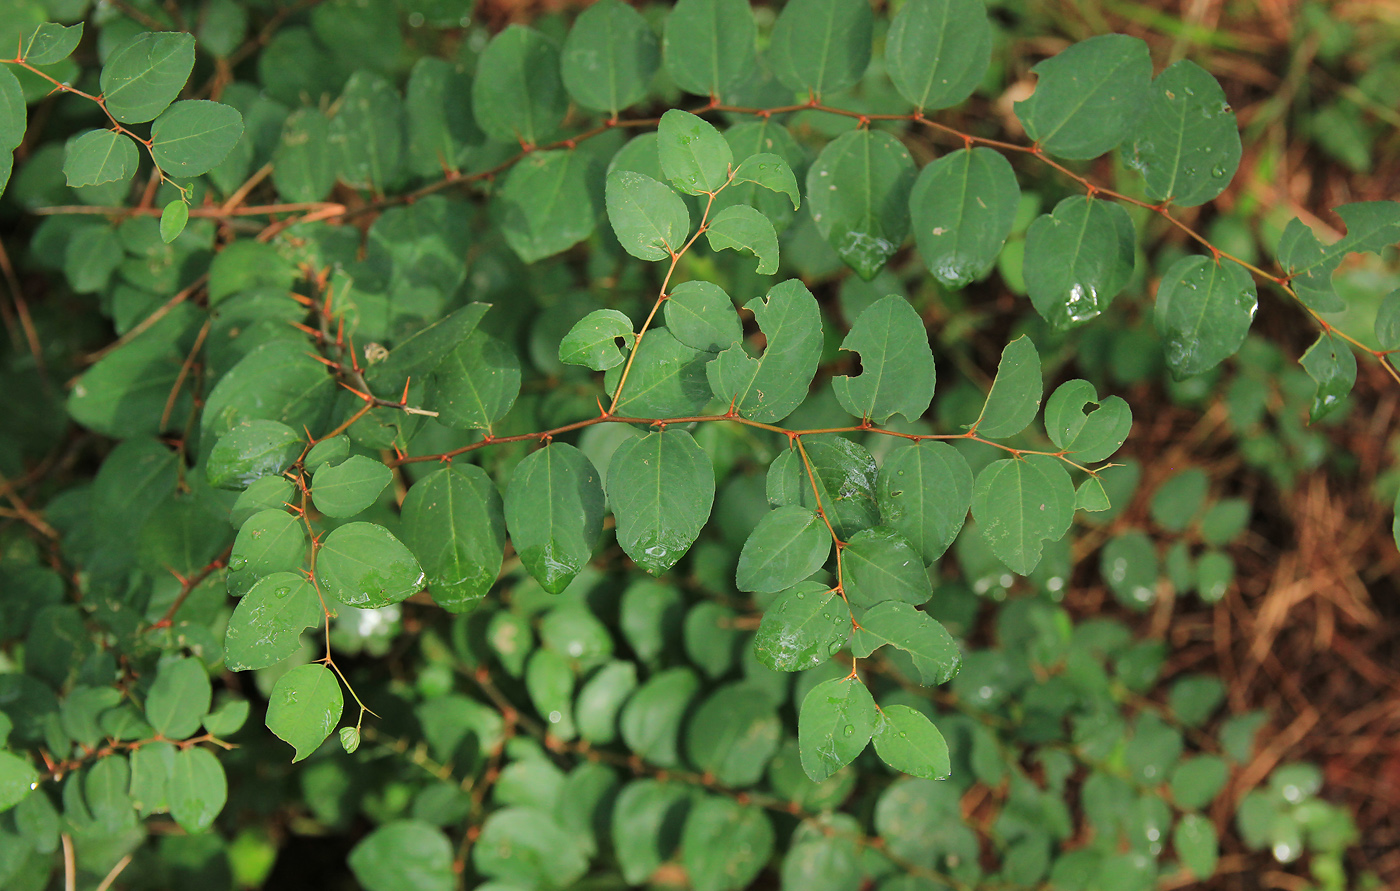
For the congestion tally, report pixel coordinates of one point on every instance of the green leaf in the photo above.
(366, 134)
(253, 449)
(741, 228)
(694, 156)
(554, 511)
(651, 720)
(526, 848)
(834, 725)
(924, 492)
(1196, 845)
(179, 698)
(327, 451)
(145, 74)
(13, 111)
(933, 651)
(97, 157)
(194, 136)
(709, 45)
(609, 57)
(769, 388)
(880, 564)
(302, 169)
(267, 623)
(364, 565)
(304, 708)
(549, 679)
(937, 51)
(733, 734)
(602, 698)
(789, 544)
(1090, 496)
(477, 383)
(173, 219)
(650, 221)
(700, 315)
(1019, 504)
(1078, 258)
(769, 171)
(454, 523)
(51, 42)
(1089, 437)
(1371, 226)
(1186, 145)
(404, 854)
(907, 741)
(17, 779)
(1015, 394)
(1203, 312)
(858, 194)
(518, 95)
(277, 381)
(441, 128)
(661, 487)
(592, 342)
(805, 626)
(897, 371)
(1332, 366)
(1088, 97)
(821, 46)
(845, 482)
(725, 845)
(667, 379)
(549, 203)
(345, 489)
(270, 541)
(963, 207)
(197, 789)
(1196, 781)
(1129, 564)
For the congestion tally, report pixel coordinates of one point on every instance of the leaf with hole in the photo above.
(1090, 437)
(768, 388)
(1088, 97)
(740, 228)
(897, 371)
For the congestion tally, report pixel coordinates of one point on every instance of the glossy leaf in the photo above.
(834, 725)
(768, 388)
(549, 203)
(17, 779)
(1203, 312)
(897, 370)
(1088, 97)
(609, 57)
(1187, 143)
(13, 113)
(934, 652)
(549, 679)
(194, 136)
(805, 626)
(1077, 259)
(857, 192)
(1091, 496)
(554, 511)
(51, 42)
(880, 564)
(1090, 437)
(145, 74)
(700, 315)
(454, 522)
(924, 493)
(963, 206)
(267, 623)
(518, 95)
(1332, 366)
(937, 51)
(709, 45)
(1016, 391)
(844, 487)
(821, 46)
(650, 221)
(666, 380)
(345, 489)
(1371, 226)
(694, 156)
(661, 487)
(252, 450)
(269, 541)
(99, 156)
(771, 172)
(364, 565)
(907, 741)
(304, 707)
(197, 789)
(742, 229)
(789, 544)
(1021, 503)
(477, 383)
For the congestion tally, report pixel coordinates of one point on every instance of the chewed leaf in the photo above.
(741, 228)
(897, 369)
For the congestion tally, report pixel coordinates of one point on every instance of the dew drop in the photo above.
(237, 563)
(850, 729)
